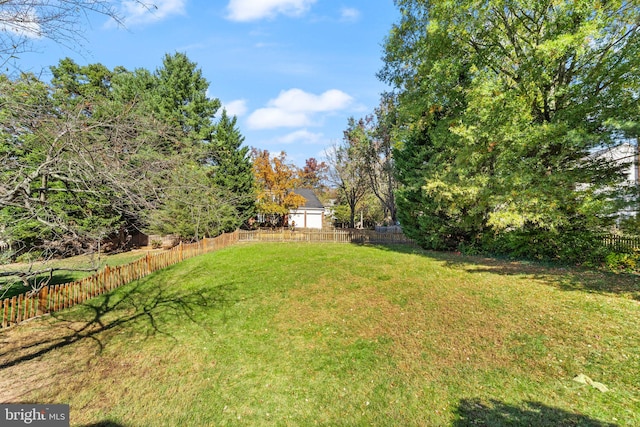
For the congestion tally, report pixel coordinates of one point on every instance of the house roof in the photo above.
(312, 200)
(618, 152)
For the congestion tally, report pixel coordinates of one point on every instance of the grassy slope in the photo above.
(269, 334)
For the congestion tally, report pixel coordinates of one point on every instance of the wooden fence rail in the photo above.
(58, 297)
(336, 236)
(621, 243)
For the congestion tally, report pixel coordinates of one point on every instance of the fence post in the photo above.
(18, 309)
(42, 300)
(139, 272)
(5, 312)
(107, 277)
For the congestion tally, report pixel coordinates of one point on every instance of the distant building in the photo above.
(309, 215)
(624, 154)
(621, 154)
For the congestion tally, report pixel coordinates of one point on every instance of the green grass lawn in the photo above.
(340, 335)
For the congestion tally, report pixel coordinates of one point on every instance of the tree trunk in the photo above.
(352, 215)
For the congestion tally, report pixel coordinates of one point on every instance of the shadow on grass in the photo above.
(562, 277)
(141, 308)
(473, 412)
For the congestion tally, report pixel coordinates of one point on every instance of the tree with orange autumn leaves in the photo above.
(275, 181)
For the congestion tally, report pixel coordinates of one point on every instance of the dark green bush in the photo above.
(566, 246)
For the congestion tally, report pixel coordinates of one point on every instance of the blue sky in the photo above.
(292, 71)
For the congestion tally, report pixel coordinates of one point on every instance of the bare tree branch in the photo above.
(23, 22)
(78, 174)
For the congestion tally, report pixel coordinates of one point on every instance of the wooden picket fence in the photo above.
(58, 297)
(622, 243)
(335, 236)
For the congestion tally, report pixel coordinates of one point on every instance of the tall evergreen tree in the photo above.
(182, 97)
(231, 170)
(76, 82)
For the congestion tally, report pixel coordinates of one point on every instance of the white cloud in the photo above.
(299, 100)
(136, 13)
(270, 118)
(20, 21)
(349, 14)
(296, 108)
(236, 108)
(302, 135)
(253, 10)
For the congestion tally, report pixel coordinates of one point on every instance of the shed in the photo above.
(309, 215)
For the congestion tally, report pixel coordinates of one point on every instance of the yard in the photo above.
(11, 285)
(339, 334)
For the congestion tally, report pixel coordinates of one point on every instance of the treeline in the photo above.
(496, 116)
(97, 152)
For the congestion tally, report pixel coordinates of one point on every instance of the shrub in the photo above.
(566, 246)
(623, 262)
(29, 257)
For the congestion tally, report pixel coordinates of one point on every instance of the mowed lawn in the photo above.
(339, 335)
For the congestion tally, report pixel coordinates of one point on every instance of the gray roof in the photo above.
(312, 200)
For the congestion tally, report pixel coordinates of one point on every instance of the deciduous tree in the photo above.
(313, 175)
(347, 169)
(501, 103)
(373, 143)
(69, 176)
(275, 181)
